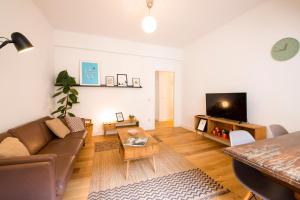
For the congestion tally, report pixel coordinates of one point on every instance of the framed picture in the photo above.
(89, 73)
(122, 80)
(202, 124)
(136, 82)
(120, 117)
(109, 81)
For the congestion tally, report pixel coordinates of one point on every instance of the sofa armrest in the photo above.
(30, 177)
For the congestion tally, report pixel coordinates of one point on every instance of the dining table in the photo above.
(278, 158)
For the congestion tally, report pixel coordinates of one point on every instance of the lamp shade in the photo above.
(21, 42)
(149, 24)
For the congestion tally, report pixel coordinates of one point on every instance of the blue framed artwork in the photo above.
(89, 73)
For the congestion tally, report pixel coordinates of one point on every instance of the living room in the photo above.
(231, 47)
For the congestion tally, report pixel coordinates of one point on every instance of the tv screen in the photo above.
(227, 105)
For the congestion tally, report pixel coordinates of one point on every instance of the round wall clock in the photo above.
(285, 49)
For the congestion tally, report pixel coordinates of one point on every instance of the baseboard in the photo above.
(188, 128)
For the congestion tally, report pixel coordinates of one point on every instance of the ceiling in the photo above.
(180, 22)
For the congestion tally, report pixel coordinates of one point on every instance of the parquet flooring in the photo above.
(203, 153)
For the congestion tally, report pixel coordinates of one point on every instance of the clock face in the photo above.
(285, 49)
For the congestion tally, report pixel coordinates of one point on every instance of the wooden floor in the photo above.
(203, 153)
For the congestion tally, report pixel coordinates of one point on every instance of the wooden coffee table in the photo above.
(129, 153)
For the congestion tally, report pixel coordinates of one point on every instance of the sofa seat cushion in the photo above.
(78, 135)
(63, 171)
(34, 135)
(63, 146)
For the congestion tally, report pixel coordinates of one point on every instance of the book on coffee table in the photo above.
(136, 141)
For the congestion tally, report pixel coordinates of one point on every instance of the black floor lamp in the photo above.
(21, 43)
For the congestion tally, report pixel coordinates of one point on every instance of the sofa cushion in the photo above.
(78, 135)
(33, 135)
(75, 124)
(11, 147)
(63, 146)
(58, 127)
(4, 135)
(48, 134)
(63, 171)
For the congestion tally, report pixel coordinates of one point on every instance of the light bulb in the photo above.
(149, 24)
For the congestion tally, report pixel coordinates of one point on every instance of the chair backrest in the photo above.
(240, 137)
(277, 130)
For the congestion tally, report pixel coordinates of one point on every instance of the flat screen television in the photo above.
(227, 105)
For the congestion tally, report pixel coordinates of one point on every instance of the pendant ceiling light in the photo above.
(149, 23)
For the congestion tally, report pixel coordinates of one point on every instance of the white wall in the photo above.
(165, 92)
(25, 79)
(236, 58)
(117, 56)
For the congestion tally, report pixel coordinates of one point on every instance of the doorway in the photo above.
(164, 98)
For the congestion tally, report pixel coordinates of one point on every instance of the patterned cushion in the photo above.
(75, 124)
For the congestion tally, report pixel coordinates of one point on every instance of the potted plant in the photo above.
(68, 94)
(131, 117)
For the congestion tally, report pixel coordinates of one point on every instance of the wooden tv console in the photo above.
(257, 131)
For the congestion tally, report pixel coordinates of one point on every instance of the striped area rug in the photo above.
(186, 185)
(176, 178)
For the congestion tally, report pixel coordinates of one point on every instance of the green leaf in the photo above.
(56, 94)
(71, 81)
(74, 91)
(66, 89)
(71, 114)
(61, 101)
(63, 75)
(73, 98)
(59, 88)
(60, 108)
(70, 104)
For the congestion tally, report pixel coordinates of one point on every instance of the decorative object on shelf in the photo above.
(225, 134)
(69, 95)
(120, 117)
(149, 23)
(122, 80)
(21, 43)
(89, 73)
(131, 117)
(136, 82)
(202, 124)
(216, 132)
(109, 81)
(285, 49)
